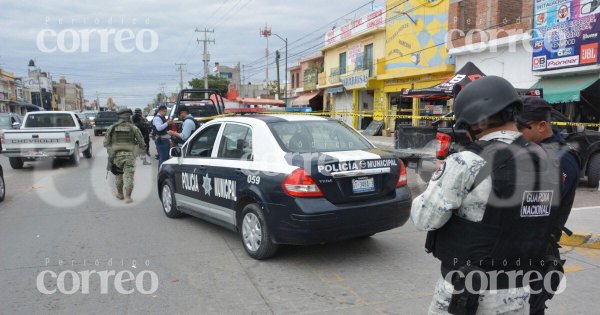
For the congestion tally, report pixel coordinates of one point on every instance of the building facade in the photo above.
(350, 82)
(39, 85)
(416, 57)
(68, 96)
(304, 81)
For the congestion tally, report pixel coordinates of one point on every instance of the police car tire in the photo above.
(172, 212)
(267, 248)
(88, 152)
(594, 170)
(16, 163)
(74, 158)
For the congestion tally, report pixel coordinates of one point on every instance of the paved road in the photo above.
(63, 218)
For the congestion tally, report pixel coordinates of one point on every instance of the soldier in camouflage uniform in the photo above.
(123, 141)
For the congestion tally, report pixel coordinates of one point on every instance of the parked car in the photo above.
(9, 121)
(285, 180)
(86, 122)
(47, 135)
(104, 120)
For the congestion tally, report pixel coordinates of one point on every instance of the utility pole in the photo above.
(242, 82)
(97, 101)
(206, 55)
(277, 56)
(266, 33)
(180, 74)
(163, 96)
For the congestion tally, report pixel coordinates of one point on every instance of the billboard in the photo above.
(565, 34)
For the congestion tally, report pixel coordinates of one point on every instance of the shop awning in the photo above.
(304, 99)
(565, 89)
(449, 88)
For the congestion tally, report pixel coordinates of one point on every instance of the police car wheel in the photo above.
(75, 156)
(255, 233)
(168, 200)
(2, 188)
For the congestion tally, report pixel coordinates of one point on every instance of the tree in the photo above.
(214, 82)
(272, 87)
(110, 104)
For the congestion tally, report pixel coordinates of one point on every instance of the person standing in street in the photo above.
(145, 129)
(490, 209)
(123, 141)
(160, 124)
(189, 126)
(537, 127)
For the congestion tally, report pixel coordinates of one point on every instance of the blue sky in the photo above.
(134, 78)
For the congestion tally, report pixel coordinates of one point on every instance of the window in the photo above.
(317, 136)
(49, 121)
(297, 80)
(236, 142)
(203, 143)
(368, 59)
(293, 81)
(343, 63)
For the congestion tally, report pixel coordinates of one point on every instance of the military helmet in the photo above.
(124, 112)
(138, 111)
(484, 98)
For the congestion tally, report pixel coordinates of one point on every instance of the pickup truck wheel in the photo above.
(16, 163)
(255, 234)
(594, 170)
(88, 152)
(168, 200)
(2, 188)
(75, 156)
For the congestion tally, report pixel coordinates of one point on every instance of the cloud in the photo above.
(135, 78)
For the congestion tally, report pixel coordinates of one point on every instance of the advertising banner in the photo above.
(565, 34)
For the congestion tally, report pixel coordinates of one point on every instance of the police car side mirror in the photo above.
(175, 152)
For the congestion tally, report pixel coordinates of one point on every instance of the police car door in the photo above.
(191, 184)
(229, 171)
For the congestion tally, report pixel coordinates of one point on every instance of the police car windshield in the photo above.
(49, 120)
(317, 136)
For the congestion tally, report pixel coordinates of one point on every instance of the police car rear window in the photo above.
(317, 136)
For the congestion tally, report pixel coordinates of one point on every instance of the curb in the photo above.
(581, 239)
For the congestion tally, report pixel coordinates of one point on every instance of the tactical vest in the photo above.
(180, 141)
(164, 131)
(123, 137)
(520, 212)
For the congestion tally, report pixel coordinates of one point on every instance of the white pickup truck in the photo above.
(47, 135)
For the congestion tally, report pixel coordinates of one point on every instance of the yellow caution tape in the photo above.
(379, 116)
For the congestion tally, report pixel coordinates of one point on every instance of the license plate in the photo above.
(36, 153)
(363, 185)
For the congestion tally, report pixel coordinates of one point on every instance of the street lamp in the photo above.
(286, 68)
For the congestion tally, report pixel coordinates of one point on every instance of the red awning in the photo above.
(304, 99)
(260, 101)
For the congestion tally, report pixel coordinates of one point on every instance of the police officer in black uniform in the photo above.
(490, 209)
(537, 127)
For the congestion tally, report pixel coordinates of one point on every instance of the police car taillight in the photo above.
(300, 184)
(402, 179)
(67, 138)
(443, 145)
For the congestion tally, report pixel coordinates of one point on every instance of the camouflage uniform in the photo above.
(449, 190)
(123, 142)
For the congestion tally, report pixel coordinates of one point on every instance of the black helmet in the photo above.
(138, 111)
(484, 98)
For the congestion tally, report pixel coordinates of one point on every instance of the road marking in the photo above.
(586, 208)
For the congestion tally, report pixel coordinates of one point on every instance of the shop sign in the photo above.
(355, 80)
(565, 34)
(365, 23)
(311, 77)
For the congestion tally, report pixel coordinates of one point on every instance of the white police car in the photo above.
(285, 179)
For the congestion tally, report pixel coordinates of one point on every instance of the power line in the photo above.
(206, 55)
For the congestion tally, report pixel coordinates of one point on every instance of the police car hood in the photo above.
(347, 176)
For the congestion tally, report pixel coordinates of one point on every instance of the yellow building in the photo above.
(416, 57)
(349, 80)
